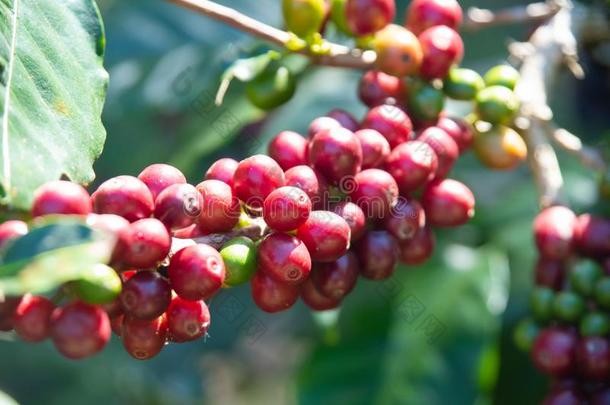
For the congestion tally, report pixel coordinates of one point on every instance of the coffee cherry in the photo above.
(144, 339)
(272, 88)
(304, 17)
(286, 208)
(315, 300)
(496, 104)
(339, 17)
(595, 324)
(100, 285)
(458, 129)
(222, 170)
(502, 75)
(592, 236)
(541, 303)
(550, 273)
(335, 153)
(61, 197)
(187, 320)
(289, 149)
(391, 122)
(159, 176)
(376, 192)
(593, 357)
(178, 206)
(146, 295)
(149, 243)
(284, 258)
(442, 48)
(378, 253)
(354, 216)
(113, 308)
(114, 225)
(406, 218)
(306, 179)
(399, 52)
(418, 249)
(116, 324)
(336, 279)
(326, 236)
(448, 203)
(425, 102)
(321, 124)
(377, 88)
(601, 293)
(365, 17)
(196, 272)
(584, 276)
(500, 148)
(7, 310)
(445, 149)
(412, 164)
(219, 207)
(10, 230)
(525, 334)
(554, 232)
(79, 330)
(255, 178)
(347, 120)
(125, 196)
(239, 256)
(271, 295)
(32, 318)
(568, 306)
(554, 351)
(463, 84)
(375, 148)
(423, 14)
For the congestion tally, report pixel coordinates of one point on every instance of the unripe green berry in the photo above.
(496, 104)
(239, 256)
(525, 333)
(272, 88)
(100, 285)
(337, 15)
(502, 75)
(602, 293)
(425, 101)
(584, 276)
(541, 303)
(304, 17)
(595, 324)
(463, 84)
(568, 306)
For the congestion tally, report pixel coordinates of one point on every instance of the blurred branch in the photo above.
(588, 156)
(479, 18)
(217, 240)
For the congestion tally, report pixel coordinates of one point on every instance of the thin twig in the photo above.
(478, 18)
(588, 156)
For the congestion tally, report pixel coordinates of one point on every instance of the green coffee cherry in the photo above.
(595, 324)
(541, 303)
(272, 88)
(502, 75)
(584, 276)
(239, 256)
(496, 104)
(100, 285)
(525, 333)
(463, 84)
(568, 306)
(602, 293)
(337, 15)
(304, 17)
(425, 101)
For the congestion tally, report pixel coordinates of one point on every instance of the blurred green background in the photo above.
(436, 334)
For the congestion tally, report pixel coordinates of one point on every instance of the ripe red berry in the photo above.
(219, 207)
(347, 120)
(306, 179)
(114, 225)
(321, 124)
(61, 197)
(592, 236)
(271, 295)
(187, 320)
(125, 196)
(391, 122)
(376, 192)
(149, 243)
(288, 149)
(554, 232)
(399, 52)
(365, 17)
(375, 148)
(178, 206)
(335, 153)
(412, 164)
(7, 309)
(255, 178)
(354, 216)
(406, 218)
(32, 318)
(338, 278)
(554, 351)
(196, 272)
(378, 254)
(418, 249)
(10, 230)
(593, 357)
(448, 203)
(326, 236)
(284, 258)
(159, 176)
(377, 88)
(445, 148)
(222, 170)
(145, 295)
(144, 339)
(442, 48)
(458, 129)
(286, 208)
(116, 324)
(550, 273)
(423, 14)
(79, 330)
(315, 300)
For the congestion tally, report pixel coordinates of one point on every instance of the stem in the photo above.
(217, 240)
(478, 18)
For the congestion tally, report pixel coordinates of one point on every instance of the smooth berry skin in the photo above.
(271, 295)
(336, 153)
(116, 324)
(79, 330)
(554, 351)
(61, 197)
(550, 273)
(255, 178)
(315, 300)
(347, 120)
(178, 206)
(10, 230)
(144, 339)
(220, 208)
(592, 236)
(378, 88)
(149, 243)
(448, 203)
(326, 235)
(500, 148)
(445, 148)
(365, 17)
(7, 310)
(125, 196)
(306, 179)
(406, 218)
(336, 279)
(354, 216)
(222, 170)
(458, 129)
(160, 176)
(286, 208)
(196, 272)
(412, 164)
(289, 149)
(32, 318)
(145, 295)
(376, 192)
(284, 258)
(399, 52)
(375, 148)
(321, 124)
(442, 48)
(593, 357)
(554, 232)
(419, 249)
(114, 225)
(378, 252)
(187, 320)
(391, 122)
(423, 14)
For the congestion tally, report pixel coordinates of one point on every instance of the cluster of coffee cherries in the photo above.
(568, 337)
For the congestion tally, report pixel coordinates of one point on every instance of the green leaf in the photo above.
(52, 90)
(52, 254)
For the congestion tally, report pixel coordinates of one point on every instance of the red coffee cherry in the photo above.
(375, 191)
(114, 225)
(554, 232)
(336, 279)
(145, 295)
(335, 153)
(391, 122)
(347, 120)
(592, 236)
(187, 320)
(306, 179)
(326, 236)
(286, 208)
(448, 203)
(399, 52)
(423, 14)
(593, 357)
(458, 129)
(284, 258)
(178, 206)
(61, 197)
(271, 295)
(79, 330)
(377, 88)
(196, 272)
(378, 254)
(445, 148)
(125, 196)
(554, 351)
(375, 148)
(160, 176)
(255, 178)
(550, 273)
(354, 216)
(7, 310)
(412, 164)
(321, 124)
(315, 300)
(10, 230)
(114, 308)
(418, 249)
(219, 207)
(406, 218)
(116, 324)
(222, 170)
(289, 149)
(365, 17)
(144, 339)
(149, 243)
(442, 48)
(32, 318)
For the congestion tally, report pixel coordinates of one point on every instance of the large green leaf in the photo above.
(52, 90)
